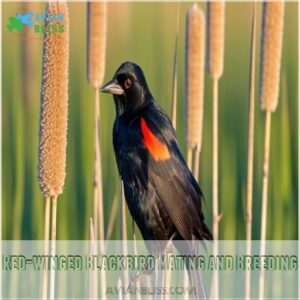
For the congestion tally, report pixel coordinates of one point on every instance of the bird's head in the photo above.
(129, 88)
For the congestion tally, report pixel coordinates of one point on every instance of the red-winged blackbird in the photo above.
(162, 195)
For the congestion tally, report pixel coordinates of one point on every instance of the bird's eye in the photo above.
(127, 83)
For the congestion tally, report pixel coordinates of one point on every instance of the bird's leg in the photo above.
(169, 246)
(134, 279)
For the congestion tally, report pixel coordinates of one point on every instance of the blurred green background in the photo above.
(145, 34)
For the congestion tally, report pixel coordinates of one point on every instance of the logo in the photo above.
(38, 23)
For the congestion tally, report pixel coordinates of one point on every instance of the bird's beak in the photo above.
(112, 87)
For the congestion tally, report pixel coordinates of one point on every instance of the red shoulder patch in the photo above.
(157, 149)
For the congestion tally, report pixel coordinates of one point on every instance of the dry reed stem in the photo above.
(135, 252)
(215, 38)
(214, 292)
(98, 195)
(195, 55)
(186, 282)
(196, 162)
(119, 285)
(264, 207)
(174, 89)
(46, 247)
(189, 158)
(53, 245)
(93, 287)
(133, 232)
(99, 169)
(54, 106)
(102, 237)
(216, 29)
(167, 273)
(250, 155)
(215, 187)
(112, 218)
(97, 32)
(95, 195)
(272, 34)
(215, 161)
(124, 249)
(123, 214)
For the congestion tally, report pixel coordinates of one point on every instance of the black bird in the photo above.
(162, 195)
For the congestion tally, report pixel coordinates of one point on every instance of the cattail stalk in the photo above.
(272, 34)
(53, 121)
(53, 245)
(97, 32)
(93, 290)
(195, 60)
(186, 282)
(124, 250)
(46, 246)
(215, 161)
(167, 273)
(174, 89)
(135, 252)
(123, 214)
(112, 218)
(250, 150)
(189, 159)
(216, 27)
(216, 33)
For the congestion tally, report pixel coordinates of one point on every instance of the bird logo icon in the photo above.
(20, 20)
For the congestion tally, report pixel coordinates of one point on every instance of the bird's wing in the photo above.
(168, 173)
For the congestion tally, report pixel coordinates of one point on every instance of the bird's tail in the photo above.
(197, 284)
(195, 277)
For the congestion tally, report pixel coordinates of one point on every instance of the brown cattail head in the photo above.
(54, 103)
(272, 32)
(195, 53)
(97, 28)
(216, 29)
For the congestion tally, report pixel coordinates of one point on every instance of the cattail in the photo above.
(195, 40)
(97, 28)
(112, 218)
(53, 122)
(174, 89)
(250, 154)
(93, 286)
(216, 28)
(54, 106)
(123, 227)
(216, 33)
(272, 32)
